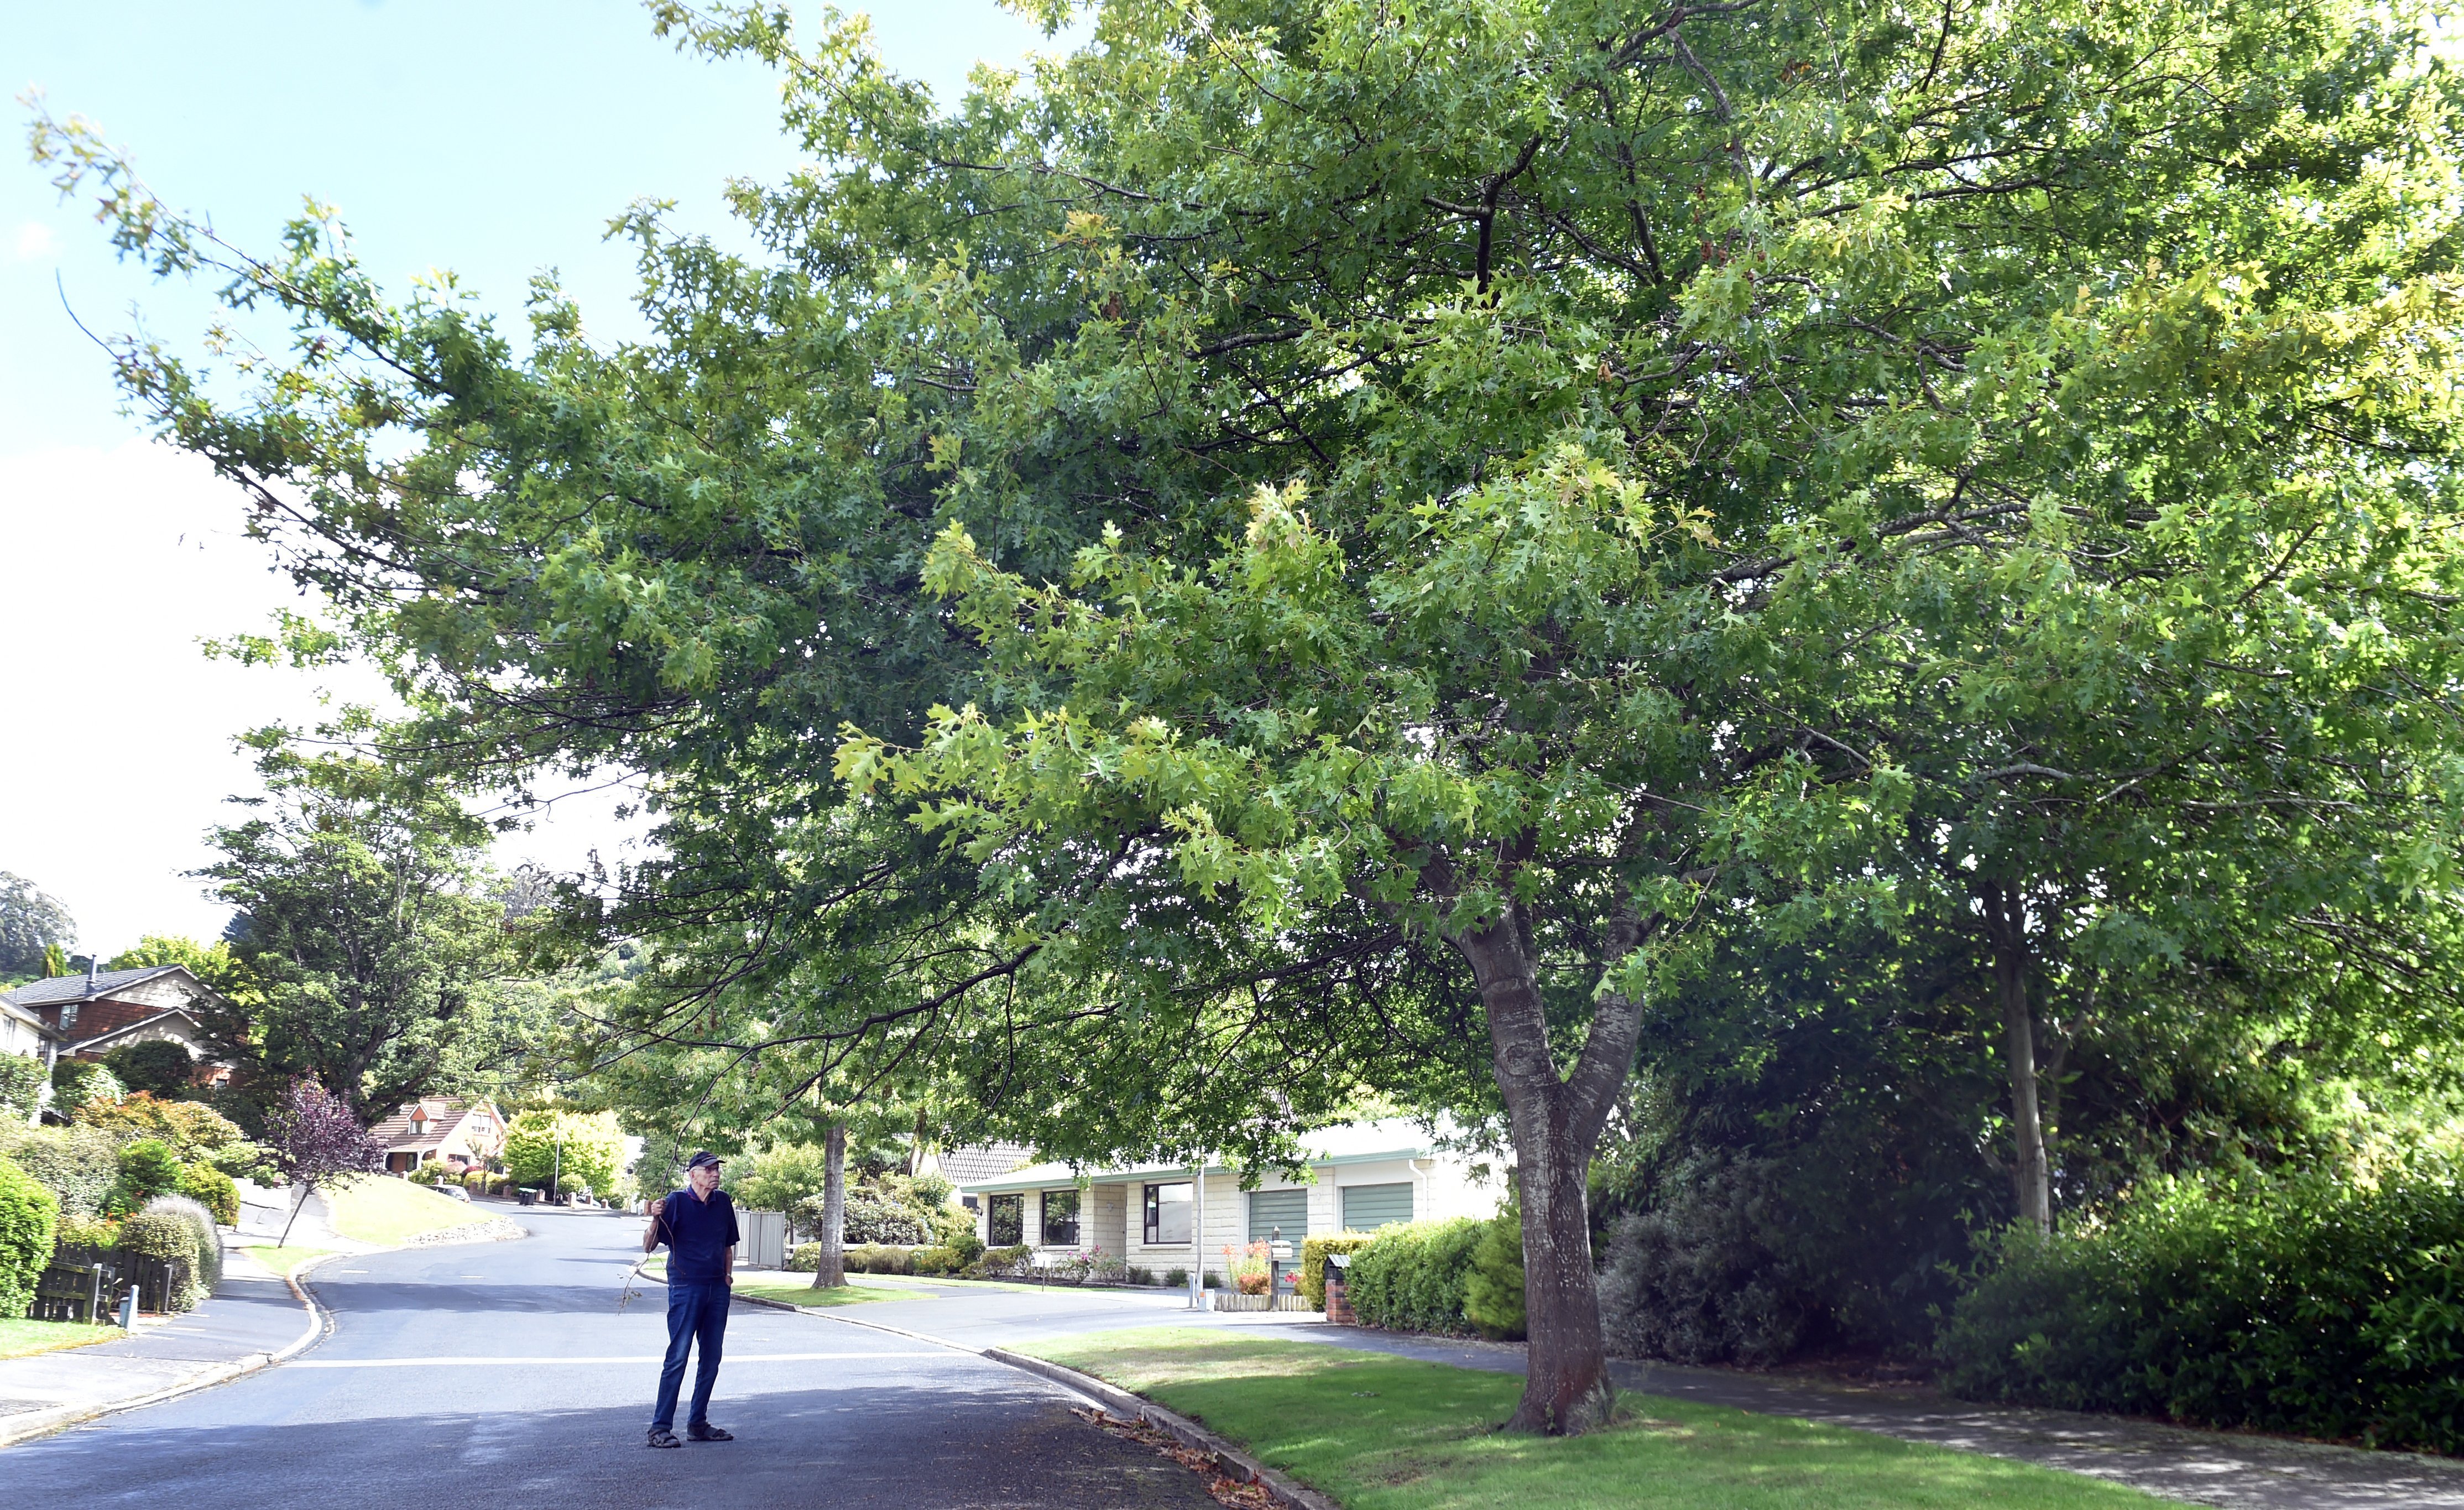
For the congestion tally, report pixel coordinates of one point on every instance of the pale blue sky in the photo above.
(494, 139)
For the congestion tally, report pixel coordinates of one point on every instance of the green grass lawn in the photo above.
(376, 1210)
(796, 1290)
(1395, 1433)
(22, 1339)
(281, 1259)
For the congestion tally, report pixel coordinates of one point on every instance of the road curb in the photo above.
(14, 1430)
(1229, 1460)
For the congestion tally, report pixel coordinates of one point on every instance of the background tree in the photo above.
(576, 1150)
(31, 925)
(368, 927)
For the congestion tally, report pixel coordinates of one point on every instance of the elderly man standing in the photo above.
(699, 1226)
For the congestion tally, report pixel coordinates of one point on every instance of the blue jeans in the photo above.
(696, 1313)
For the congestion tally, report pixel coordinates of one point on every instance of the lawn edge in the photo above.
(1231, 1461)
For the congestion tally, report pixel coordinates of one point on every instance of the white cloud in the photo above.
(36, 242)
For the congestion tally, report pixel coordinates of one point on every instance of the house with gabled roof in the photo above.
(441, 1129)
(86, 1016)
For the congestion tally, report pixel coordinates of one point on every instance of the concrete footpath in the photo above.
(2216, 1468)
(252, 1320)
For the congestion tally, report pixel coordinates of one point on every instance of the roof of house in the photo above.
(445, 1113)
(985, 1161)
(1349, 1143)
(130, 1029)
(86, 988)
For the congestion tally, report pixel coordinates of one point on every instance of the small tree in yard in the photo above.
(316, 1141)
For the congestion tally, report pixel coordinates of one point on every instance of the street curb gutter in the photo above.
(1229, 1460)
(42, 1423)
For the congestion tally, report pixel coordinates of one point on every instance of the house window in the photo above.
(1008, 1221)
(1168, 1214)
(1061, 1217)
(970, 1203)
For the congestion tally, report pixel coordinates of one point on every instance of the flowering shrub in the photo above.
(1250, 1267)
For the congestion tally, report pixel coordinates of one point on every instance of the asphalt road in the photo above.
(503, 1373)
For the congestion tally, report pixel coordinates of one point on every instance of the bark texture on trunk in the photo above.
(831, 1272)
(2006, 920)
(1555, 1125)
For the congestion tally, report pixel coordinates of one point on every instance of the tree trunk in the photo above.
(284, 1241)
(1555, 1124)
(2031, 1174)
(831, 1272)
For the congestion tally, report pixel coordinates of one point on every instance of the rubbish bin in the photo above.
(530, 1197)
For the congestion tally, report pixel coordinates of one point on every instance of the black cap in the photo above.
(704, 1158)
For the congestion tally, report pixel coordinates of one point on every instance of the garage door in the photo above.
(1366, 1208)
(1287, 1210)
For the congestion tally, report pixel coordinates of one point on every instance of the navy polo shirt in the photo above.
(698, 1235)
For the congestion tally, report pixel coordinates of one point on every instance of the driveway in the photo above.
(503, 1373)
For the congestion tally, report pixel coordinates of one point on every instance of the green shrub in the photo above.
(967, 1243)
(994, 1263)
(886, 1258)
(163, 1235)
(1700, 1276)
(156, 1065)
(77, 1165)
(1412, 1277)
(208, 1268)
(1314, 1251)
(1493, 1290)
(213, 1189)
(243, 1160)
(29, 1224)
(804, 1258)
(938, 1261)
(1179, 1278)
(79, 1082)
(148, 1168)
(86, 1232)
(21, 1084)
(2308, 1304)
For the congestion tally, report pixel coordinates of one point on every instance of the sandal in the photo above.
(664, 1439)
(707, 1432)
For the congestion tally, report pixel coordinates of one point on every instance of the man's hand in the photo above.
(651, 1233)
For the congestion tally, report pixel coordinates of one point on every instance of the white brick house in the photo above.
(1359, 1177)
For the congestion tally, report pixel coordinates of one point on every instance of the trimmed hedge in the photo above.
(1412, 1277)
(2308, 1305)
(207, 1268)
(28, 1221)
(1314, 1251)
(162, 1235)
(1493, 1288)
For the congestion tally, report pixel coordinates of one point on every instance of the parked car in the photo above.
(454, 1190)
